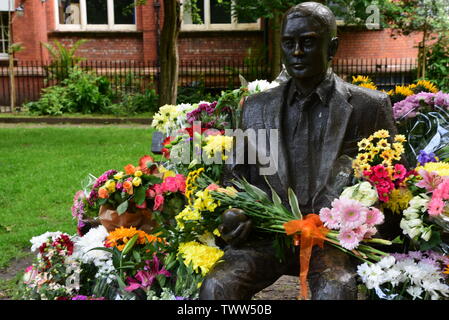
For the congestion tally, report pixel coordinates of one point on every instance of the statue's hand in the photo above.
(236, 227)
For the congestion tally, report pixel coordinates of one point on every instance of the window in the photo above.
(95, 15)
(215, 16)
(4, 32)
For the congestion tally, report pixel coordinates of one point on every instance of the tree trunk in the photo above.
(275, 62)
(169, 59)
(12, 82)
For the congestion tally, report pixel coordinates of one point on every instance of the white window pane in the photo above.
(124, 12)
(97, 11)
(69, 12)
(219, 12)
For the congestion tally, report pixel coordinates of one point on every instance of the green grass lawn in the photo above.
(42, 168)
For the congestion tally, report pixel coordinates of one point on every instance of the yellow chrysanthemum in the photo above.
(190, 183)
(217, 144)
(120, 237)
(381, 134)
(368, 85)
(441, 168)
(189, 213)
(399, 200)
(205, 202)
(201, 257)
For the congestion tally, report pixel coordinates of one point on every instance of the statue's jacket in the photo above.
(354, 113)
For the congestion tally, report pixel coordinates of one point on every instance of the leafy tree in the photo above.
(428, 17)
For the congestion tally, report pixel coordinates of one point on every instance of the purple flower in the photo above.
(80, 297)
(410, 106)
(104, 177)
(144, 278)
(425, 157)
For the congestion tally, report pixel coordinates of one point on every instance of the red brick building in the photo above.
(116, 32)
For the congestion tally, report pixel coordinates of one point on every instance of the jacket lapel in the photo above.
(272, 118)
(339, 113)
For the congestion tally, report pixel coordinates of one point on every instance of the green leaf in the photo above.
(121, 209)
(276, 199)
(102, 248)
(139, 196)
(435, 240)
(293, 201)
(137, 256)
(130, 244)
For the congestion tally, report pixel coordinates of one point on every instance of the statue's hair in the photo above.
(317, 11)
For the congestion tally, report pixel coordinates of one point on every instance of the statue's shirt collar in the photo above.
(321, 91)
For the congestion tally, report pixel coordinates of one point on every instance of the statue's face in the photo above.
(305, 47)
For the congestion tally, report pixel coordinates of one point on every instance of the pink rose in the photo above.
(170, 184)
(158, 202)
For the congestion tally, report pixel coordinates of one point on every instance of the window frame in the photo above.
(5, 25)
(208, 26)
(84, 26)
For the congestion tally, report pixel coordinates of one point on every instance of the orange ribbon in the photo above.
(312, 232)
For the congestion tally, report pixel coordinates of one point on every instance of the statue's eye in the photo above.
(289, 43)
(308, 41)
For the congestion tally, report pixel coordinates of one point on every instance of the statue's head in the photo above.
(309, 40)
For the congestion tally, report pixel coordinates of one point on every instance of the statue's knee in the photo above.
(211, 289)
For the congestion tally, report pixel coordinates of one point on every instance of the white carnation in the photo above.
(37, 241)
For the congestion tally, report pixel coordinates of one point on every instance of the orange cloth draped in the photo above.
(312, 233)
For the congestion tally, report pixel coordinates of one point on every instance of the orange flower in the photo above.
(128, 186)
(103, 193)
(146, 163)
(130, 169)
(120, 236)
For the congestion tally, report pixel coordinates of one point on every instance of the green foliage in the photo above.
(63, 59)
(135, 103)
(194, 94)
(438, 63)
(81, 92)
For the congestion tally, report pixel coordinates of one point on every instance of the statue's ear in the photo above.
(333, 46)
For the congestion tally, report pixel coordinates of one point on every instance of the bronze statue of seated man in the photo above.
(320, 119)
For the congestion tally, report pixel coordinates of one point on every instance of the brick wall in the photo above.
(107, 46)
(219, 46)
(376, 44)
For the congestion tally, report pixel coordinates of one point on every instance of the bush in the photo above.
(135, 103)
(194, 94)
(81, 92)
